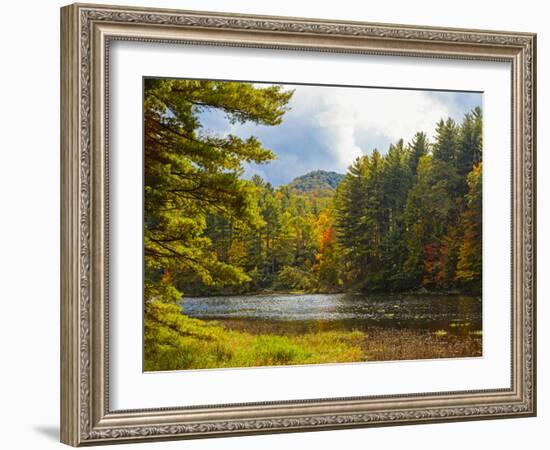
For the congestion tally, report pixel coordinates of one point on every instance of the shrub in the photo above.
(294, 278)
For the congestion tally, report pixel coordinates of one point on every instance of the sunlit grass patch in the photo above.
(176, 342)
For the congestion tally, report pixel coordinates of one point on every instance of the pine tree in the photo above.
(350, 202)
(469, 268)
(446, 141)
(418, 148)
(190, 175)
(470, 146)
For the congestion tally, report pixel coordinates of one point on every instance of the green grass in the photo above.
(174, 341)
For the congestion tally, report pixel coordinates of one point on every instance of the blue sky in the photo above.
(328, 127)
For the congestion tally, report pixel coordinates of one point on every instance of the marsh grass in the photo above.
(174, 341)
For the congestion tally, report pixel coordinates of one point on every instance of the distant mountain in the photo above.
(316, 180)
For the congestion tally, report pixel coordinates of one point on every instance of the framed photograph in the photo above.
(276, 224)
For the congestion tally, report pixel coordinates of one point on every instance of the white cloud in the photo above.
(344, 115)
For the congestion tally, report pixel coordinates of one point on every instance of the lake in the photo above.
(297, 314)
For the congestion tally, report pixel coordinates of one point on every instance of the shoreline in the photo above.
(416, 292)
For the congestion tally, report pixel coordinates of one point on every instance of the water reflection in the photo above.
(297, 314)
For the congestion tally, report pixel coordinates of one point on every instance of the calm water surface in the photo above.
(296, 314)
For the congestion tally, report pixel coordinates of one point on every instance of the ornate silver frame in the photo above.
(86, 31)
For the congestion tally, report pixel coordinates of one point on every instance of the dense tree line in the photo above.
(398, 221)
(412, 217)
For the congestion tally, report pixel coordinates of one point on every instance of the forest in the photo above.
(403, 220)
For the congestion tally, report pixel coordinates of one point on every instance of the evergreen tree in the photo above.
(469, 269)
(350, 201)
(190, 175)
(469, 150)
(420, 234)
(418, 148)
(446, 141)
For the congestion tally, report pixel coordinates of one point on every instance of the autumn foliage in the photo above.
(399, 220)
